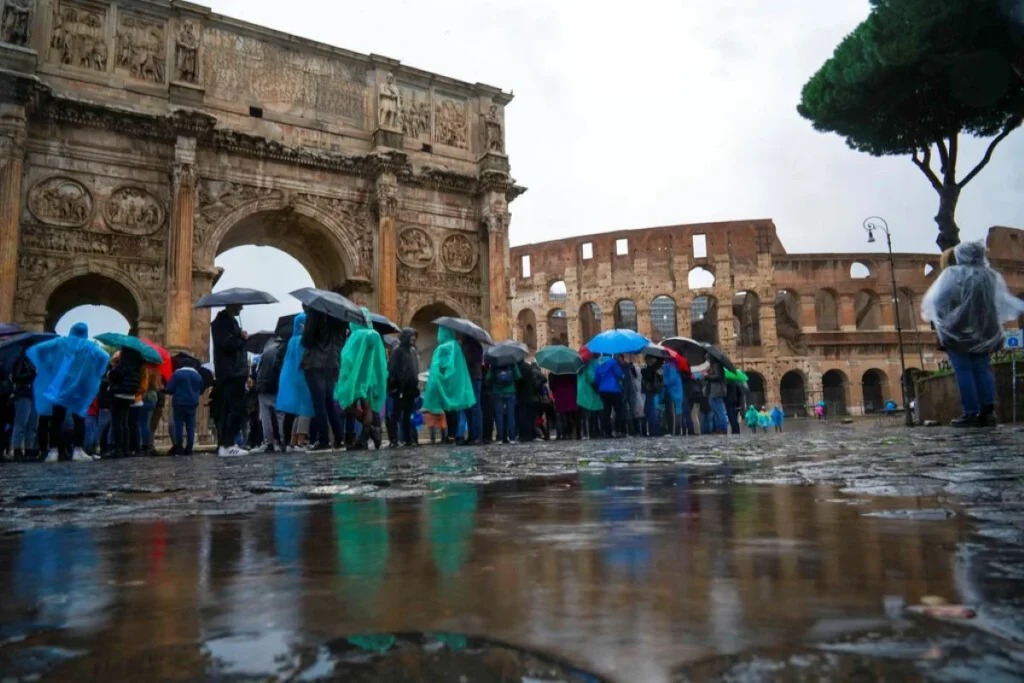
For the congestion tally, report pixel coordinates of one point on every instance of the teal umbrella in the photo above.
(560, 360)
(121, 341)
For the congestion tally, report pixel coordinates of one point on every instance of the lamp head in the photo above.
(871, 236)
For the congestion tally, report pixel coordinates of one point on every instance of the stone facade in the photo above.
(806, 327)
(140, 139)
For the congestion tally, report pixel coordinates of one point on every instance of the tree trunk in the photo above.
(949, 233)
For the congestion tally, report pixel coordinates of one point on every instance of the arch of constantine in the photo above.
(140, 139)
(805, 327)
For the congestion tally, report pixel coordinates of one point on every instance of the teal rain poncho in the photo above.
(586, 395)
(364, 367)
(293, 395)
(68, 372)
(448, 385)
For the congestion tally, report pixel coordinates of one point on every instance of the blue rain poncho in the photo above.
(364, 367)
(68, 372)
(968, 303)
(448, 384)
(293, 394)
(674, 386)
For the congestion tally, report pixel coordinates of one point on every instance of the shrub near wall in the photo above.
(939, 398)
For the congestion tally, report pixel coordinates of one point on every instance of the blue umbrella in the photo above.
(611, 342)
(12, 347)
(120, 341)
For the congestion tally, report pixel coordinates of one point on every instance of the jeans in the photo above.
(268, 411)
(233, 410)
(144, 414)
(321, 383)
(651, 413)
(475, 415)
(721, 420)
(126, 437)
(505, 416)
(26, 422)
(184, 421)
(974, 379)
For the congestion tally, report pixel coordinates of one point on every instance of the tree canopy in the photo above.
(913, 76)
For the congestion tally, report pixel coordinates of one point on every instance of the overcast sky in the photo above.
(651, 112)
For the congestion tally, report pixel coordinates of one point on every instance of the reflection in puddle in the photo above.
(629, 573)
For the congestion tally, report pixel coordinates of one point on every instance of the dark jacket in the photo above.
(126, 375)
(185, 388)
(22, 377)
(229, 358)
(474, 354)
(322, 339)
(404, 364)
(651, 379)
(526, 387)
(268, 372)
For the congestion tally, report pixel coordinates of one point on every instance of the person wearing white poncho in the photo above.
(967, 305)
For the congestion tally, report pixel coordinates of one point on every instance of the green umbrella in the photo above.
(738, 376)
(560, 360)
(120, 341)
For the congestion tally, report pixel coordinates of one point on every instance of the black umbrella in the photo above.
(329, 303)
(185, 360)
(383, 325)
(684, 345)
(257, 340)
(506, 353)
(656, 351)
(12, 347)
(390, 342)
(10, 329)
(235, 296)
(285, 325)
(466, 327)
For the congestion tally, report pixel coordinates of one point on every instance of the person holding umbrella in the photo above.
(23, 431)
(322, 339)
(68, 374)
(231, 370)
(362, 387)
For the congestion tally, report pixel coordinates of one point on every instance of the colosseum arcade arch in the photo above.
(746, 316)
(558, 327)
(590, 321)
(875, 389)
(526, 326)
(757, 389)
(869, 312)
(788, 322)
(704, 319)
(793, 394)
(826, 310)
(835, 388)
(625, 315)
(663, 318)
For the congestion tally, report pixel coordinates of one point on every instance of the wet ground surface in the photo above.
(800, 556)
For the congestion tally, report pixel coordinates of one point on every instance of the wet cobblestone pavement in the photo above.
(822, 553)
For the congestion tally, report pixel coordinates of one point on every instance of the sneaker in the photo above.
(987, 418)
(965, 420)
(319, 448)
(78, 455)
(51, 456)
(269, 448)
(376, 438)
(231, 451)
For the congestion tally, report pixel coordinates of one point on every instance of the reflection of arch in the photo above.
(834, 386)
(590, 321)
(90, 283)
(907, 309)
(526, 323)
(826, 311)
(663, 318)
(757, 393)
(793, 392)
(788, 321)
(625, 315)
(704, 319)
(701, 278)
(323, 243)
(557, 291)
(426, 331)
(875, 385)
(869, 313)
(558, 327)
(746, 318)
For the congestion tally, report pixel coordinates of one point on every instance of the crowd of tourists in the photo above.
(330, 382)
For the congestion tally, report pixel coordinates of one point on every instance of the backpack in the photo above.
(504, 375)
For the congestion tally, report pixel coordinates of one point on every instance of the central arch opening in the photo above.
(268, 269)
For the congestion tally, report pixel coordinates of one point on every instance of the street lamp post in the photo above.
(877, 223)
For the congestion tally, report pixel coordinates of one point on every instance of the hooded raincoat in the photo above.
(674, 386)
(68, 372)
(586, 393)
(364, 367)
(448, 385)
(968, 303)
(293, 394)
(751, 417)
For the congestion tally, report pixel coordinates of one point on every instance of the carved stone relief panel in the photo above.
(416, 110)
(141, 48)
(218, 198)
(60, 201)
(79, 36)
(133, 211)
(16, 22)
(237, 67)
(432, 280)
(149, 275)
(494, 138)
(415, 248)
(458, 253)
(186, 53)
(75, 241)
(451, 122)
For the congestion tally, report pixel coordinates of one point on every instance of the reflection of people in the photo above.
(967, 305)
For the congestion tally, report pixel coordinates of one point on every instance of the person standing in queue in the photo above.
(322, 340)
(231, 370)
(474, 353)
(403, 375)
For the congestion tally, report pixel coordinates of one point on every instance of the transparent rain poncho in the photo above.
(68, 372)
(364, 367)
(969, 302)
(448, 384)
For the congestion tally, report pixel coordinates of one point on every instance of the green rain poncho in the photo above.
(364, 368)
(586, 396)
(448, 385)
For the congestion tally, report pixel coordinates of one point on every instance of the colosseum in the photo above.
(805, 327)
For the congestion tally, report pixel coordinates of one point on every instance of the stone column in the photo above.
(496, 217)
(179, 246)
(387, 246)
(12, 159)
